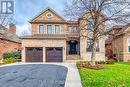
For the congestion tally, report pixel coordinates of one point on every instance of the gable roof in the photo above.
(45, 11)
(8, 35)
(123, 30)
(117, 27)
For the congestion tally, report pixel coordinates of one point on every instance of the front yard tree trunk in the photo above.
(93, 53)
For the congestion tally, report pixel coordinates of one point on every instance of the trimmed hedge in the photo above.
(15, 54)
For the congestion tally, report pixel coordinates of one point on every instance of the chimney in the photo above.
(12, 28)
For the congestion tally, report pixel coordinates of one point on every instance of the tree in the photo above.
(112, 11)
(5, 20)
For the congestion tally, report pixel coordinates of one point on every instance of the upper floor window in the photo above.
(49, 28)
(89, 45)
(57, 29)
(41, 28)
(90, 24)
(72, 29)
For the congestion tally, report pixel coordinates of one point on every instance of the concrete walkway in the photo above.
(72, 79)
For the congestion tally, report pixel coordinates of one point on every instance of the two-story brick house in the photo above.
(54, 39)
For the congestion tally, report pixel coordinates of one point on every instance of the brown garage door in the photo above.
(34, 55)
(54, 54)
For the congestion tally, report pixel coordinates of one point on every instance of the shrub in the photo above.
(100, 62)
(110, 62)
(14, 54)
(9, 60)
(105, 62)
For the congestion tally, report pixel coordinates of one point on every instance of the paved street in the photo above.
(33, 75)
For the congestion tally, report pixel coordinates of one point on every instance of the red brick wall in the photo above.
(8, 46)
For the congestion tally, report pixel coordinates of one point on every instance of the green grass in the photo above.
(115, 75)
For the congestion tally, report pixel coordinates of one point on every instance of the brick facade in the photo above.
(8, 46)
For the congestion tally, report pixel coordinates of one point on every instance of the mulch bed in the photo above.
(2, 64)
(88, 66)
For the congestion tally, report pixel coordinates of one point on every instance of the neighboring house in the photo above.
(118, 43)
(109, 43)
(54, 39)
(9, 41)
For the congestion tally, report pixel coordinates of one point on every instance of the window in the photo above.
(128, 40)
(128, 48)
(41, 29)
(90, 24)
(49, 15)
(89, 45)
(57, 28)
(49, 28)
(72, 29)
(128, 44)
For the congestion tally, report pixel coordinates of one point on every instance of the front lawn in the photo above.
(115, 75)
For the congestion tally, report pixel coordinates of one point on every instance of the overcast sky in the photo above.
(26, 9)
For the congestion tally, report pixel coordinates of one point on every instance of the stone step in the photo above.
(73, 57)
(73, 61)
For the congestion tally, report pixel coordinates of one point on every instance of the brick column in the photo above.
(23, 55)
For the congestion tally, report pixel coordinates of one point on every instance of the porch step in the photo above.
(73, 61)
(73, 57)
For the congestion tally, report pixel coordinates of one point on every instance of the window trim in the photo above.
(60, 28)
(47, 28)
(43, 28)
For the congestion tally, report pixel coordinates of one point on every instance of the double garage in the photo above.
(43, 50)
(36, 54)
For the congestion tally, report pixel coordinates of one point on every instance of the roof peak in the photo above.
(48, 8)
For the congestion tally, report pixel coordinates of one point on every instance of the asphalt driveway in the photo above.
(33, 75)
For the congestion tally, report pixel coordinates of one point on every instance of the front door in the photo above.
(73, 47)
